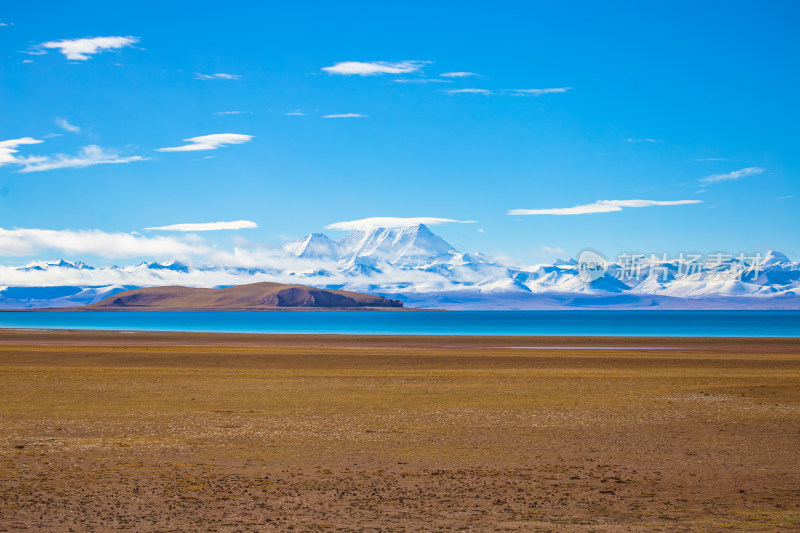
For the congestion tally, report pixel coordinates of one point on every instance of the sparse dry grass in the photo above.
(195, 432)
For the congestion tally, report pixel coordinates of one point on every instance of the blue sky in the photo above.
(663, 102)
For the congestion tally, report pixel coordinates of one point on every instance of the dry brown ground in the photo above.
(177, 432)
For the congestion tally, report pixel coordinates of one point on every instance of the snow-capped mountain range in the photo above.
(417, 266)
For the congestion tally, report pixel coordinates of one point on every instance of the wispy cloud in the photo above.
(511, 92)
(346, 115)
(231, 112)
(65, 125)
(83, 49)
(295, 114)
(218, 76)
(553, 250)
(209, 142)
(643, 140)
(358, 68)
(207, 226)
(28, 241)
(601, 206)
(422, 80)
(392, 222)
(9, 148)
(735, 175)
(787, 197)
(457, 74)
(710, 159)
(537, 92)
(87, 157)
(469, 91)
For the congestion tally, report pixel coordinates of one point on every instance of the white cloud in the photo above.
(63, 124)
(277, 267)
(787, 197)
(644, 140)
(28, 241)
(81, 49)
(710, 159)
(735, 175)
(88, 156)
(457, 74)
(350, 68)
(513, 92)
(209, 142)
(295, 114)
(218, 76)
(392, 222)
(537, 92)
(8, 149)
(553, 250)
(602, 206)
(346, 115)
(207, 226)
(422, 80)
(229, 113)
(469, 91)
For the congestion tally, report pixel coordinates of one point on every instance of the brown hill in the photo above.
(250, 297)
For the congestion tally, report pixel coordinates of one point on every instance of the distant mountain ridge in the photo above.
(418, 267)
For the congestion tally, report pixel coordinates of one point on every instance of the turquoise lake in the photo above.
(566, 323)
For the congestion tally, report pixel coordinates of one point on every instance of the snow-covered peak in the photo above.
(59, 263)
(314, 245)
(172, 264)
(393, 244)
(774, 257)
(565, 262)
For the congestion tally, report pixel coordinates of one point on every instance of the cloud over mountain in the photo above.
(207, 226)
(392, 222)
(30, 241)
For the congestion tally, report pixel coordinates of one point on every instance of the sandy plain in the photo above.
(110, 431)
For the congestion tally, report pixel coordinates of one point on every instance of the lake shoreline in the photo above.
(493, 343)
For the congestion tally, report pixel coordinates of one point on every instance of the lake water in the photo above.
(558, 323)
